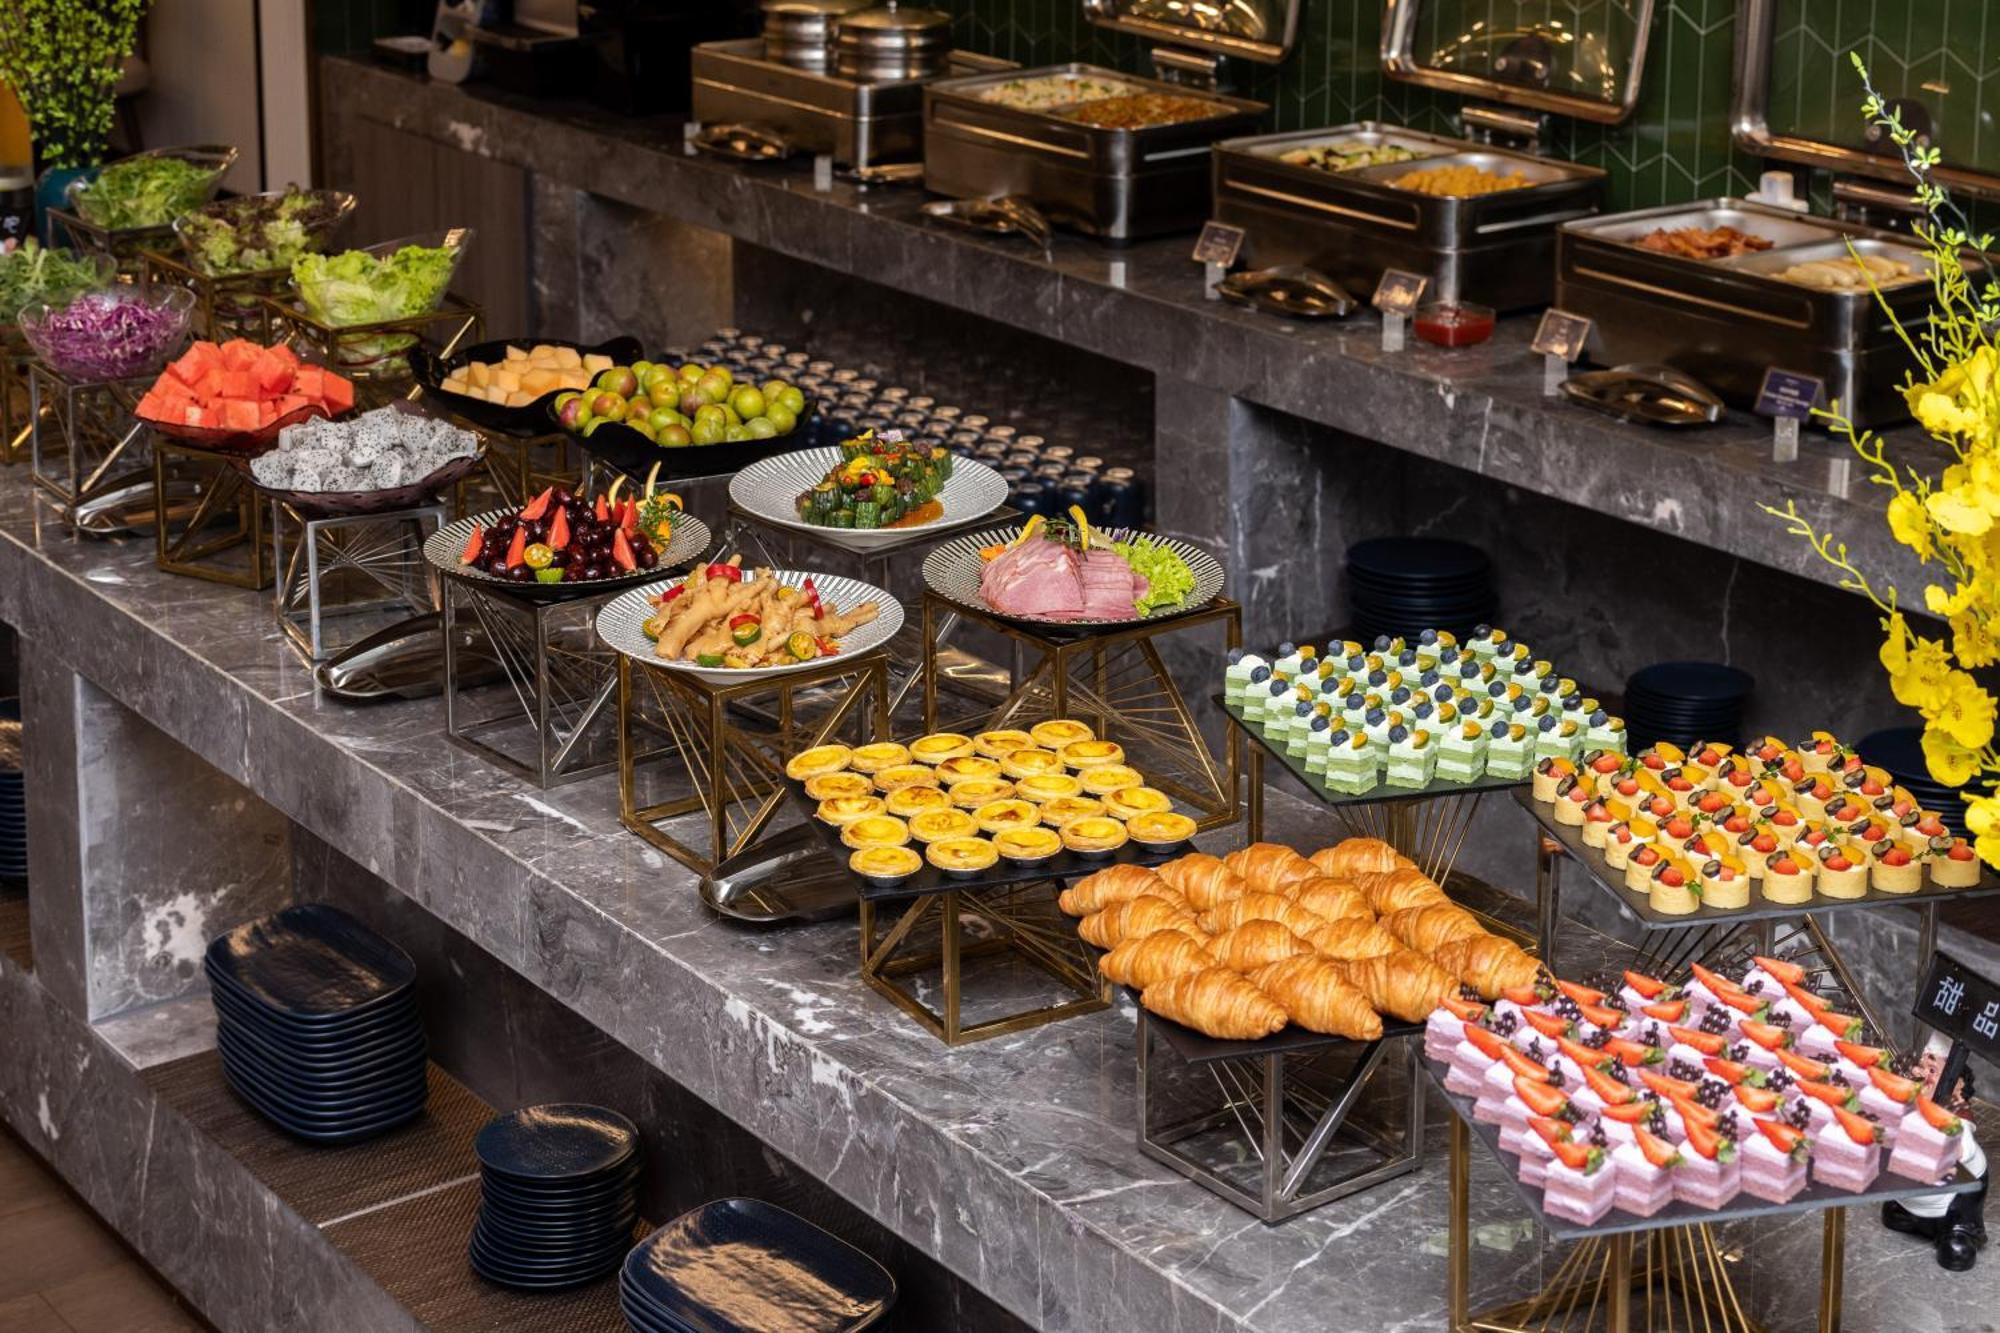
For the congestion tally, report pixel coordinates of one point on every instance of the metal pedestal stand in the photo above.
(226, 516)
(454, 323)
(517, 470)
(349, 568)
(225, 307)
(16, 412)
(89, 427)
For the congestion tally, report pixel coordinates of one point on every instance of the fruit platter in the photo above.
(696, 420)
(394, 457)
(871, 491)
(561, 545)
(509, 386)
(726, 625)
(1069, 574)
(235, 397)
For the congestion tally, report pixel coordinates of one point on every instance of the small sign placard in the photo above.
(1789, 395)
(1398, 292)
(1960, 1003)
(1219, 243)
(1561, 334)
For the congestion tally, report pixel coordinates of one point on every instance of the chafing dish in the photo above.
(1120, 184)
(858, 121)
(1727, 321)
(1496, 248)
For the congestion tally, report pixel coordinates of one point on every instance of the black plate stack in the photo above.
(557, 1195)
(746, 1266)
(1900, 750)
(13, 795)
(317, 1024)
(1686, 702)
(1402, 586)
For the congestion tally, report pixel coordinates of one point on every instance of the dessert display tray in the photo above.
(1063, 867)
(1497, 248)
(1814, 1197)
(1641, 910)
(1382, 791)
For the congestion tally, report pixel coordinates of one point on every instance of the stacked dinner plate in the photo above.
(1685, 702)
(13, 799)
(556, 1195)
(1406, 585)
(1900, 750)
(738, 1265)
(317, 1024)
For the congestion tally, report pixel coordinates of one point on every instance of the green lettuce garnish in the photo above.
(1168, 577)
(144, 192)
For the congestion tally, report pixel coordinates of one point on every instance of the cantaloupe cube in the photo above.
(516, 353)
(568, 357)
(478, 374)
(453, 384)
(597, 363)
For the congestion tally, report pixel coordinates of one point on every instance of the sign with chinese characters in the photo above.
(1962, 1004)
(1219, 243)
(1398, 292)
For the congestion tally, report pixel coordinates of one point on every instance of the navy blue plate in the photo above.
(537, 1257)
(595, 1195)
(560, 1141)
(499, 1268)
(330, 1059)
(746, 1266)
(599, 1228)
(1694, 681)
(313, 963)
(328, 1111)
(312, 1132)
(1418, 558)
(319, 1090)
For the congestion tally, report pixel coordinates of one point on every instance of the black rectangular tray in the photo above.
(1063, 867)
(1812, 1198)
(1197, 1048)
(1641, 910)
(1382, 792)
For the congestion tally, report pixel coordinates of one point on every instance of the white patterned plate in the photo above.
(952, 571)
(618, 624)
(770, 489)
(441, 549)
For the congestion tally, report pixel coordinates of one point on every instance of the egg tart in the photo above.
(1098, 835)
(966, 767)
(884, 866)
(1028, 844)
(1000, 744)
(1160, 828)
(843, 810)
(1066, 809)
(1060, 731)
(940, 746)
(962, 856)
(1103, 779)
(898, 776)
(999, 816)
(1135, 801)
(818, 760)
(1048, 787)
(936, 825)
(975, 792)
(1028, 762)
(1089, 754)
(838, 784)
(876, 831)
(907, 801)
(874, 758)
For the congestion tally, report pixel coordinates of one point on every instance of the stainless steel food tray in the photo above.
(1119, 184)
(1727, 321)
(859, 123)
(1498, 248)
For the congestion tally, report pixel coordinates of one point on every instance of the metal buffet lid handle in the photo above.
(1260, 30)
(1587, 72)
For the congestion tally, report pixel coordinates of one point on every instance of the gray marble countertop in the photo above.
(1013, 1161)
(1480, 409)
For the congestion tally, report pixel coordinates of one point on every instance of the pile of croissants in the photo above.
(1237, 947)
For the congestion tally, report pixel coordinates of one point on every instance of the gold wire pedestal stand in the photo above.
(349, 569)
(454, 323)
(90, 427)
(226, 516)
(225, 307)
(17, 422)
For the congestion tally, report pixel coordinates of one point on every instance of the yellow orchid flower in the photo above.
(1948, 761)
(1959, 510)
(1966, 712)
(1910, 524)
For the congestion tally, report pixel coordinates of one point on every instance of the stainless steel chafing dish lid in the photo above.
(1262, 30)
(802, 31)
(1652, 394)
(891, 42)
(1586, 69)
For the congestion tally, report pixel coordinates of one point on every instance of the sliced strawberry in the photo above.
(1671, 877)
(1658, 1151)
(1602, 1015)
(1579, 992)
(1634, 1053)
(1758, 1101)
(473, 545)
(1741, 1000)
(517, 548)
(1847, 1025)
(538, 506)
(1693, 1112)
(1635, 1112)
(1680, 826)
(1549, 1025)
(1608, 1089)
(1937, 1117)
(1896, 856)
(1524, 1065)
(1667, 1011)
(1666, 1085)
(1540, 1097)
(1486, 1041)
(621, 551)
(1729, 1071)
(1650, 987)
(1708, 1043)
(1552, 1131)
(1468, 1011)
(602, 510)
(1715, 981)
(1768, 1035)
(1861, 1130)
(1584, 1057)
(1868, 1057)
(1803, 1066)
(1893, 1085)
(1783, 865)
(1525, 996)
(1784, 969)
(1833, 1094)
(559, 530)
(1765, 844)
(1702, 1138)
(1580, 1156)
(1785, 1138)
(1810, 1002)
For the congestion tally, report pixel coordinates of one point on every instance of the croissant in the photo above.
(1487, 963)
(1147, 960)
(1331, 898)
(1425, 928)
(1255, 943)
(1317, 996)
(1357, 856)
(1270, 866)
(1255, 906)
(1402, 985)
(1113, 884)
(1217, 1003)
(1134, 917)
(1205, 880)
(1353, 937)
(1395, 890)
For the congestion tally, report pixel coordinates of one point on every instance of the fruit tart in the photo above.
(1028, 844)
(962, 856)
(838, 784)
(821, 759)
(1097, 835)
(1060, 731)
(940, 746)
(1956, 867)
(884, 866)
(841, 811)
(875, 831)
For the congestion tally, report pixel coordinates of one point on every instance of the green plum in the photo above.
(771, 389)
(691, 372)
(643, 427)
(760, 428)
(748, 402)
(781, 419)
(707, 431)
(711, 412)
(714, 385)
(609, 406)
(619, 380)
(662, 417)
(735, 435)
(640, 369)
(794, 401)
(591, 425)
(730, 414)
(673, 437)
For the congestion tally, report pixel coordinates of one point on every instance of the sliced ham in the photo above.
(1108, 586)
(1037, 578)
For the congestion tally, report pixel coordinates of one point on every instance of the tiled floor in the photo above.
(65, 1271)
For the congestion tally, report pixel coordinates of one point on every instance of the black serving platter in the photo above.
(557, 1142)
(1197, 1048)
(313, 964)
(521, 423)
(1382, 791)
(1641, 910)
(1062, 867)
(1812, 1198)
(686, 1273)
(621, 447)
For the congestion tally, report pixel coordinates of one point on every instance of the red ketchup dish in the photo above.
(1454, 324)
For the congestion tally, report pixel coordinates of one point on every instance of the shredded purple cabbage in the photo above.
(106, 335)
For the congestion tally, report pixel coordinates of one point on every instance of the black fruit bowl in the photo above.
(526, 421)
(621, 447)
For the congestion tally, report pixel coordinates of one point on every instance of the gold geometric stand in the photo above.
(1100, 676)
(351, 349)
(1005, 942)
(16, 423)
(731, 755)
(90, 426)
(225, 307)
(228, 516)
(517, 470)
(340, 575)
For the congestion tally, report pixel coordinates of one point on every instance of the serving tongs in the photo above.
(784, 876)
(1653, 395)
(406, 661)
(1008, 215)
(743, 143)
(1291, 290)
(887, 173)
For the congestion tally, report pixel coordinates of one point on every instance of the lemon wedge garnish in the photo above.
(1082, 527)
(652, 479)
(1029, 529)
